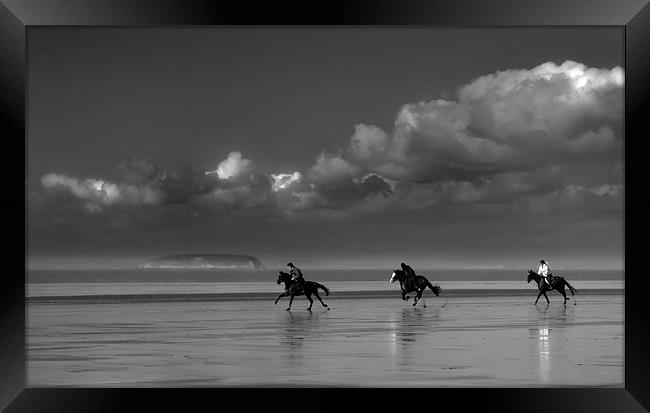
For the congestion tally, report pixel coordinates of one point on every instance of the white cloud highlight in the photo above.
(232, 166)
(283, 181)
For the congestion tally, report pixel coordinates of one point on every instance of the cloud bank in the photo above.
(545, 140)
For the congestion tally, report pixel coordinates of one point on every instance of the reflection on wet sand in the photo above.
(471, 341)
(550, 335)
(407, 329)
(405, 326)
(544, 350)
(297, 327)
(293, 335)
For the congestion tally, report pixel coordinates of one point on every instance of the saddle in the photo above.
(299, 287)
(551, 279)
(410, 283)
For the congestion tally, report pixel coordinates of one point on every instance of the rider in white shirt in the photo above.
(543, 271)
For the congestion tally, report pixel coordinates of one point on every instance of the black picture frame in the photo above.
(17, 16)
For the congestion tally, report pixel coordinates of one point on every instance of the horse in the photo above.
(407, 286)
(557, 283)
(292, 289)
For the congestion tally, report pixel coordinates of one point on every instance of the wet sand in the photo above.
(459, 341)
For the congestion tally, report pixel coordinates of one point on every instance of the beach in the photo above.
(481, 338)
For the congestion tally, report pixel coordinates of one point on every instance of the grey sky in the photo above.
(179, 101)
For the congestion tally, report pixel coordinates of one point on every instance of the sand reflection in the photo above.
(405, 327)
(544, 352)
(548, 336)
(476, 341)
(296, 328)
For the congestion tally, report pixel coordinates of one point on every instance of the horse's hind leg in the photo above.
(319, 299)
(311, 302)
(563, 295)
(418, 295)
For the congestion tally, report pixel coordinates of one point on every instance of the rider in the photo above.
(543, 271)
(296, 275)
(410, 274)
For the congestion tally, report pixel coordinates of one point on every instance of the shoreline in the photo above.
(243, 296)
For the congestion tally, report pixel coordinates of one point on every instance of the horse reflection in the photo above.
(554, 315)
(410, 324)
(298, 327)
(407, 329)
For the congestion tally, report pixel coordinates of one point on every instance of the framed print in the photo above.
(354, 200)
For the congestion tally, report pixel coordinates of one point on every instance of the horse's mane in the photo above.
(402, 272)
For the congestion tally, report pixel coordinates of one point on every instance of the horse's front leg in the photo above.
(539, 295)
(404, 297)
(290, 302)
(418, 294)
(284, 294)
(546, 296)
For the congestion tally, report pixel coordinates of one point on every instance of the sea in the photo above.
(65, 283)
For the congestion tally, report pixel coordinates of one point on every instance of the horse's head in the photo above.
(283, 277)
(394, 276)
(531, 275)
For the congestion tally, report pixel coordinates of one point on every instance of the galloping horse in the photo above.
(557, 283)
(407, 285)
(292, 290)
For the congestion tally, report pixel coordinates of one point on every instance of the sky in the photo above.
(328, 147)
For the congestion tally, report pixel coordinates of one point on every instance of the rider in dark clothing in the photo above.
(296, 275)
(410, 273)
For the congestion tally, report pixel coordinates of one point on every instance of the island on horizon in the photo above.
(203, 261)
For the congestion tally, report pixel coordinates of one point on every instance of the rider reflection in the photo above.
(407, 329)
(550, 338)
(297, 329)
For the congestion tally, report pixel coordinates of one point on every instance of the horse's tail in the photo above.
(322, 287)
(573, 290)
(435, 288)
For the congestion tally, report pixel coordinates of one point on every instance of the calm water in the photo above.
(270, 275)
(152, 282)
